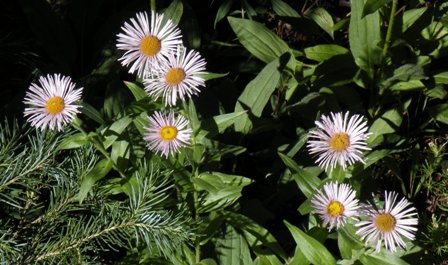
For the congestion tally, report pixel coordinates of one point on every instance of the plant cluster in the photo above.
(264, 132)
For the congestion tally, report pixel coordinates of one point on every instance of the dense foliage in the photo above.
(241, 191)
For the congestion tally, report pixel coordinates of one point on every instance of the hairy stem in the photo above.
(389, 29)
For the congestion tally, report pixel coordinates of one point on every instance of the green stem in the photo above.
(389, 29)
(153, 5)
(100, 148)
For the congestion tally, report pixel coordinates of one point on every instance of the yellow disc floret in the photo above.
(339, 142)
(55, 105)
(385, 222)
(168, 133)
(175, 76)
(335, 209)
(150, 45)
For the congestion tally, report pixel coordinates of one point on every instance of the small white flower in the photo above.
(167, 133)
(338, 140)
(390, 224)
(147, 42)
(52, 102)
(335, 204)
(177, 77)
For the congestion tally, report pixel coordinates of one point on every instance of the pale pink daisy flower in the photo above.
(390, 224)
(338, 140)
(335, 204)
(52, 102)
(147, 42)
(166, 134)
(177, 77)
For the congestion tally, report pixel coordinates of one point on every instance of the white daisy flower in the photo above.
(338, 140)
(177, 77)
(147, 42)
(390, 224)
(167, 133)
(335, 204)
(52, 102)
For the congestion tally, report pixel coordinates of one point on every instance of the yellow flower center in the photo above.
(335, 209)
(55, 105)
(168, 133)
(339, 142)
(150, 45)
(384, 222)
(174, 76)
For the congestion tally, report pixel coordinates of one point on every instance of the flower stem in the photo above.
(153, 5)
(389, 29)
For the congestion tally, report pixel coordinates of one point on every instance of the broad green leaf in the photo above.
(312, 249)
(434, 31)
(120, 153)
(348, 241)
(411, 16)
(438, 92)
(174, 11)
(308, 181)
(256, 94)
(232, 249)
(258, 40)
(372, 6)
(389, 122)
(290, 163)
(407, 86)
(283, 9)
(298, 258)
(440, 112)
(382, 258)
(223, 10)
(267, 260)
(364, 37)
(92, 113)
(222, 189)
(136, 90)
(114, 131)
(375, 156)
(305, 207)
(441, 78)
(73, 141)
(324, 52)
(218, 124)
(323, 19)
(98, 172)
(260, 240)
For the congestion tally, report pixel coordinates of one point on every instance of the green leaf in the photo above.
(441, 78)
(348, 241)
(364, 37)
(411, 16)
(381, 258)
(223, 10)
(98, 172)
(372, 6)
(232, 249)
(324, 52)
(308, 181)
(389, 122)
(440, 112)
(174, 11)
(218, 124)
(267, 260)
(283, 9)
(92, 113)
(114, 131)
(223, 189)
(407, 86)
(136, 90)
(323, 19)
(207, 262)
(73, 141)
(209, 76)
(290, 163)
(256, 94)
(258, 40)
(312, 249)
(260, 240)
